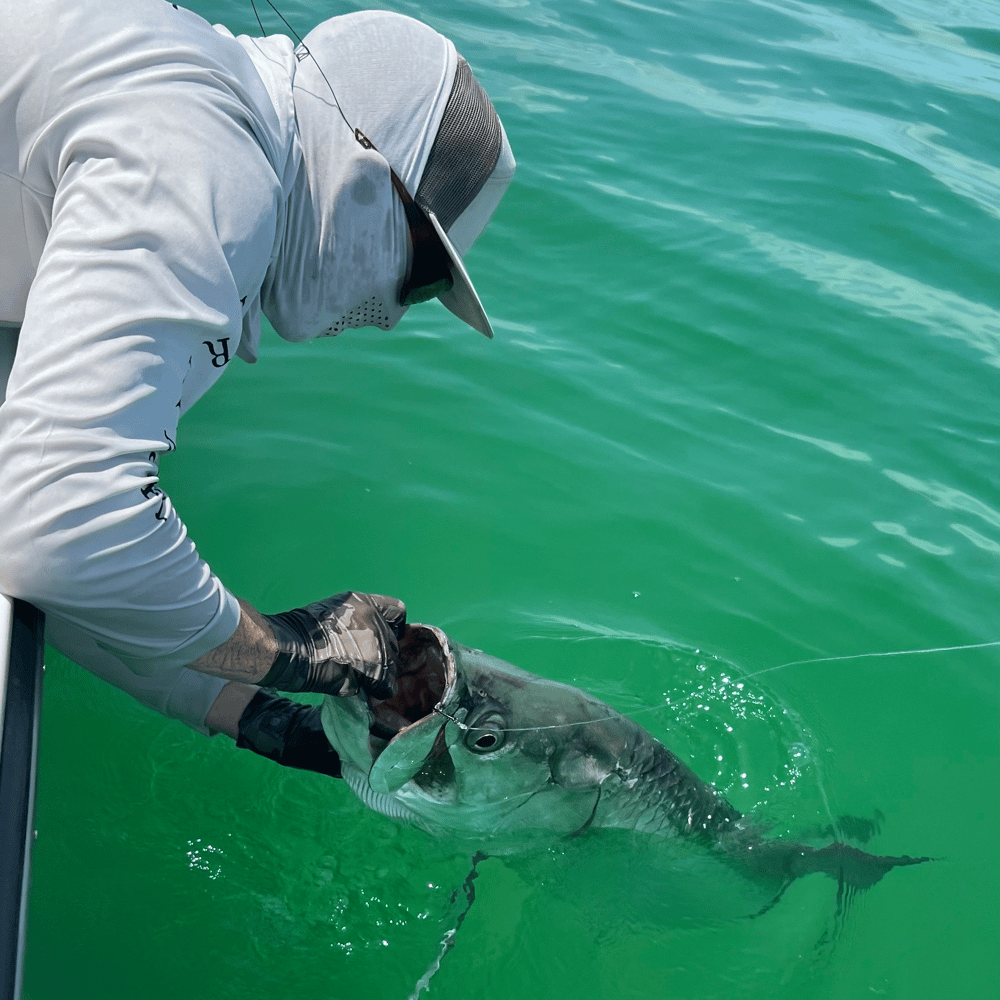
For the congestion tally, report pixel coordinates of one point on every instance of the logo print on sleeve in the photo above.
(151, 490)
(220, 357)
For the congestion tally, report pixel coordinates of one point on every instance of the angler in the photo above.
(164, 185)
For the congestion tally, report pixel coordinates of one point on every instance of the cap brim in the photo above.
(461, 298)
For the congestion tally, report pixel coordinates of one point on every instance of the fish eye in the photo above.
(486, 735)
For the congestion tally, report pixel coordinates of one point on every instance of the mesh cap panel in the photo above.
(465, 150)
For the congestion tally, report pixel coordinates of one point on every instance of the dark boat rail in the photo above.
(21, 643)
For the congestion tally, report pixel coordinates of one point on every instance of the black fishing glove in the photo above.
(288, 733)
(339, 645)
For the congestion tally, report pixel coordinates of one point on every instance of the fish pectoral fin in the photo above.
(590, 818)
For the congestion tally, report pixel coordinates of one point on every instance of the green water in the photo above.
(740, 411)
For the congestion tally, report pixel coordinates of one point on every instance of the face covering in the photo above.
(344, 248)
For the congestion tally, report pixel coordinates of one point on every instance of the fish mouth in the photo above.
(407, 730)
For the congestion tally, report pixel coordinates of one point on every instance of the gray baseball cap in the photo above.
(467, 172)
(404, 88)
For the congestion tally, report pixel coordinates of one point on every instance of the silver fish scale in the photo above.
(661, 782)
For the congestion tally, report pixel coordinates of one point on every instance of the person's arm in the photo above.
(134, 310)
(277, 728)
(338, 645)
(348, 642)
(156, 240)
(246, 656)
(224, 715)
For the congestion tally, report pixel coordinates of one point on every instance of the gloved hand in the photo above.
(288, 733)
(339, 645)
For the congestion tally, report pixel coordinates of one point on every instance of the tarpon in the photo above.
(477, 750)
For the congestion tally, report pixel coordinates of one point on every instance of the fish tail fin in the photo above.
(850, 866)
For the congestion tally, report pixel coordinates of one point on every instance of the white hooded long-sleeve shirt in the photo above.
(144, 174)
(162, 184)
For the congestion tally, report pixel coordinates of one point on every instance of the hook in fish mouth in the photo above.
(451, 718)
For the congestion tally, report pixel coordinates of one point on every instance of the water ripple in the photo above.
(946, 497)
(926, 54)
(940, 312)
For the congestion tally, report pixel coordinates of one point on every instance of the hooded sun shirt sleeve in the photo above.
(142, 173)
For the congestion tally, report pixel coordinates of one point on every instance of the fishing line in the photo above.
(757, 673)
(864, 656)
(358, 134)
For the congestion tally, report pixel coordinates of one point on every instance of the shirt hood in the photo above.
(343, 249)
